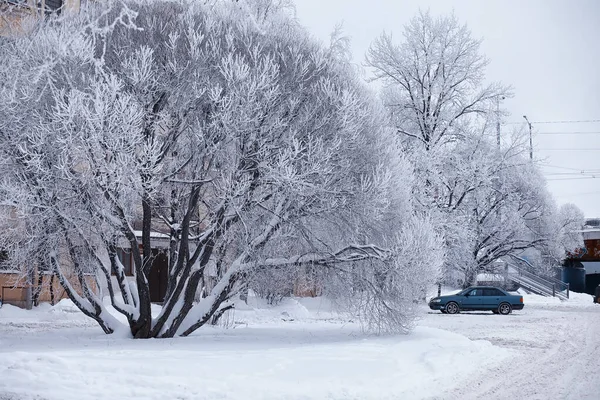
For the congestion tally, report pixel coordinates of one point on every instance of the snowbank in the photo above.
(282, 365)
(298, 349)
(575, 300)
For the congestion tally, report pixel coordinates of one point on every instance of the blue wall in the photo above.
(575, 277)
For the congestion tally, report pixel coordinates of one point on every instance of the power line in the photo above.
(583, 121)
(566, 133)
(588, 173)
(560, 167)
(573, 179)
(572, 149)
(573, 174)
(570, 175)
(578, 194)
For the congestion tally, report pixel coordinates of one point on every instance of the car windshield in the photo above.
(463, 292)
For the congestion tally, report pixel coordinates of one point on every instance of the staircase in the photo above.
(544, 286)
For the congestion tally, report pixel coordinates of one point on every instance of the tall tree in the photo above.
(490, 201)
(434, 79)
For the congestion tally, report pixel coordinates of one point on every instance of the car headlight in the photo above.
(436, 300)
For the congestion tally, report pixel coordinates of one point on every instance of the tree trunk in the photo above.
(52, 289)
(215, 319)
(38, 289)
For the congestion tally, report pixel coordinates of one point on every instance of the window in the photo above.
(475, 292)
(492, 292)
(4, 261)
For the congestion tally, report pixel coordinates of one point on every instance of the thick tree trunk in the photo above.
(141, 328)
(220, 297)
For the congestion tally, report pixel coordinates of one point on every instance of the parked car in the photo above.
(478, 298)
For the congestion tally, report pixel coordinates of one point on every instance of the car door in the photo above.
(473, 300)
(491, 298)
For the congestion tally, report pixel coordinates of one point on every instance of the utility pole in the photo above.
(498, 98)
(530, 139)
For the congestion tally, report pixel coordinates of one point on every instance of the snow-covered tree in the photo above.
(221, 126)
(570, 223)
(434, 79)
(490, 201)
(563, 228)
(507, 211)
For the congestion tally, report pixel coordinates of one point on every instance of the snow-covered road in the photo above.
(550, 350)
(555, 353)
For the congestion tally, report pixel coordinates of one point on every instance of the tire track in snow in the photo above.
(565, 367)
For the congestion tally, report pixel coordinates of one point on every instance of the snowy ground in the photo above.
(302, 350)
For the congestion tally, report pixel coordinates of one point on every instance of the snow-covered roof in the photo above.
(591, 234)
(591, 267)
(154, 235)
(489, 277)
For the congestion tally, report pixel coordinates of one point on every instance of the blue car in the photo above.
(478, 298)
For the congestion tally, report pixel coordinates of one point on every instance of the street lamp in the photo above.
(530, 140)
(498, 98)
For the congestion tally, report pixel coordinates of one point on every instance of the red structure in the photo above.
(582, 269)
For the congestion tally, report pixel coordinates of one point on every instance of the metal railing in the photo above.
(545, 286)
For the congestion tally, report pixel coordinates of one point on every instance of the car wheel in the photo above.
(452, 308)
(504, 308)
(444, 311)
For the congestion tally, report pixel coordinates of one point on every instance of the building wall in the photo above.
(58, 290)
(17, 17)
(15, 290)
(12, 290)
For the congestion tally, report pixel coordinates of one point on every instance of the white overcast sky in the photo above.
(548, 50)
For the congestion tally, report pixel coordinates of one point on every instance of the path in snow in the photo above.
(556, 353)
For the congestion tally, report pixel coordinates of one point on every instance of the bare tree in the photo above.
(434, 79)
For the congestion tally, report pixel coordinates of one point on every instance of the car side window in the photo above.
(492, 292)
(474, 292)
